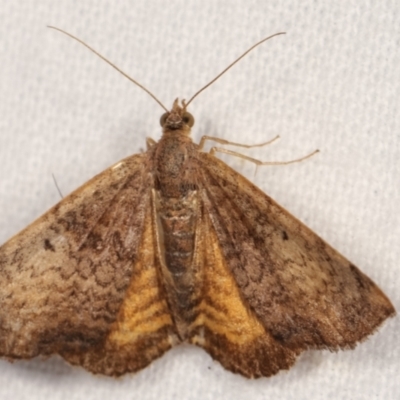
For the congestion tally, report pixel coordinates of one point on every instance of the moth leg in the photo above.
(258, 162)
(223, 141)
(57, 187)
(150, 142)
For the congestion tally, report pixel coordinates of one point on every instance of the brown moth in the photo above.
(172, 246)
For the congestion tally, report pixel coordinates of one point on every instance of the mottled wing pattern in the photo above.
(64, 278)
(143, 329)
(303, 292)
(225, 326)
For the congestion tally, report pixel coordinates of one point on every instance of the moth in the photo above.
(172, 246)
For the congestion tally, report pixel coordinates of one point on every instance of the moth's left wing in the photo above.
(143, 329)
(70, 279)
(304, 293)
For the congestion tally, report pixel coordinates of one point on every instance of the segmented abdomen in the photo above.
(177, 218)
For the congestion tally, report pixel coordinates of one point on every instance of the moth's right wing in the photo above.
(226, 327)
(64, 279)
(296, 291)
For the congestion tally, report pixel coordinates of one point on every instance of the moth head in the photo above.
(177, 119)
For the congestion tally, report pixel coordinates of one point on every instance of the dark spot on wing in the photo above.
(48, 245)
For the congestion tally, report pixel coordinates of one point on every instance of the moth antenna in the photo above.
(231, 65)
(110, 63)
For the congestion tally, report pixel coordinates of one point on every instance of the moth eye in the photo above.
(163, 118)
(188, 119)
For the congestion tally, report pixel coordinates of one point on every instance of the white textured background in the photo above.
(333, 83)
